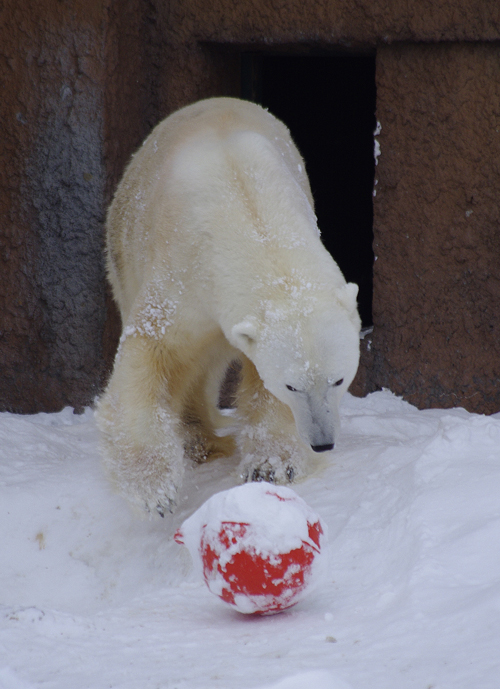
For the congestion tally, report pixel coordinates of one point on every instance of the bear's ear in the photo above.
(244, 334)
(347, 296)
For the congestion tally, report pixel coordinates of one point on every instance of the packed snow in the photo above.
(95, 596)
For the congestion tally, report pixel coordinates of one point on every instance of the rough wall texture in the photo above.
(52, 177)
(195, 71)
(202, 40)
(76, 80)
(436, 304)
(329, 22)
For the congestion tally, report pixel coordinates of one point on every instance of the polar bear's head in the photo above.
(306, 360)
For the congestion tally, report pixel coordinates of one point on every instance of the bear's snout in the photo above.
(322, 448)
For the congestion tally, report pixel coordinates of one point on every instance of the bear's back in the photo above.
(143, 203)
(216, 196)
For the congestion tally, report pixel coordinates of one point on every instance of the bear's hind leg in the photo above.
(206, 429)
(202, 442)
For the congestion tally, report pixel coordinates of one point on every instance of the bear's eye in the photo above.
(291, 388)
(338, 382)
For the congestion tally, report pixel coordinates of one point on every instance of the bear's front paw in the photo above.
(149, 481)
(272, 470)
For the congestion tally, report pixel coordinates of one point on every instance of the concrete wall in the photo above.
(52, 177)
(436, 338)
(83, 81)
(74, 106)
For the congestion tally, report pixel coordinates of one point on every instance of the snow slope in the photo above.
(94, 596)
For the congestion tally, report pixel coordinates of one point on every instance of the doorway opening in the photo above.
(328, 103)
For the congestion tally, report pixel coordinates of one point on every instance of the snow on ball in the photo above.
(259, 546)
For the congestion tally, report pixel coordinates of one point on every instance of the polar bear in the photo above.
(215, 257)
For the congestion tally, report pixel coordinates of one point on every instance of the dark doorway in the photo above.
(328, 103)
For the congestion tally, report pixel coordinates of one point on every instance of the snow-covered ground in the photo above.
(95, 597)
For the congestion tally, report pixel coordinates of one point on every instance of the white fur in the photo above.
(214, 255)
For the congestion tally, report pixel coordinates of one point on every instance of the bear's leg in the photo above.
(140, 426)
(268, 440)
(207, 431)
(202, 440)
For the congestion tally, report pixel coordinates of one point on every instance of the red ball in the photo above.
(258, 545)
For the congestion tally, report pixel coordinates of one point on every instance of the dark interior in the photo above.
(328, 103)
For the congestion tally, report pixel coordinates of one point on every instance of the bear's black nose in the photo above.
(322, 448)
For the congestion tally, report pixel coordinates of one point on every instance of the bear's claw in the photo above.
(266, 472)
(290, 473)
(262, 474)
(161, 507)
